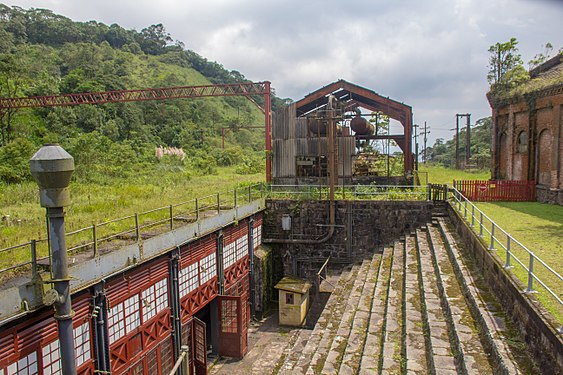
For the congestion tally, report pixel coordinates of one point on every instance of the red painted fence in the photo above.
(497, 190)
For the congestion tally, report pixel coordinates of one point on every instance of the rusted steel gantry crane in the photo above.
(246, 89)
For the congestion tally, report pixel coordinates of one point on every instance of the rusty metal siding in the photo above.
(291, 139)
(32, 335)
(346, 152)
(284, 158)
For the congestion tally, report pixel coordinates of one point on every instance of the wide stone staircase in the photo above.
(412, 308)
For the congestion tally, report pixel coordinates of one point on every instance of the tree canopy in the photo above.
(42, 53)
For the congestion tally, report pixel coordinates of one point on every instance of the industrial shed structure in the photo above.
(300, 148)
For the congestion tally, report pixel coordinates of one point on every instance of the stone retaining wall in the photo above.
(547, 195)
(362, 227)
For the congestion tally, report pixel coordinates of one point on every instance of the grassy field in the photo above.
(441, 175)
(24, 218)
(539, 227)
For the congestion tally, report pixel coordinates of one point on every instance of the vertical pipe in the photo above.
(220, 263)
(268, 126)
(472, 216)
(100, 331)
(196, 209)
(481, 224)
(175, 302)
(218, 203)
(235, 197)
(251, 258)
(63, 308)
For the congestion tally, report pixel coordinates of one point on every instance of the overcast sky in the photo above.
(431, 55)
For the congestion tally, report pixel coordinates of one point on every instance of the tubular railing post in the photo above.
(472, 216)
(249, 194)
(530, 274)
(507, 262)
(33, 247)
(171, 219)
(481, 225)
(137, 231)
(95, 239)
(218, 203)
(465, 210)
(492, 245)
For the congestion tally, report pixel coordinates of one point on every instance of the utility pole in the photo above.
(457, 141)
(425, 133)
(467, 138)
(415, 126)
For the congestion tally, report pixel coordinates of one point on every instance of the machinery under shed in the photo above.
(302, 144)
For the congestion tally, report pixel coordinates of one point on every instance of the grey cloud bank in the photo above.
(429, 54)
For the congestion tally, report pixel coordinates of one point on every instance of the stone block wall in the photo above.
(362, 227)
(547, 195)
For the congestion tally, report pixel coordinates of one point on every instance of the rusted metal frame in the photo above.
(242, 89)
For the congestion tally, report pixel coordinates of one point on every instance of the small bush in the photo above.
(14, 161)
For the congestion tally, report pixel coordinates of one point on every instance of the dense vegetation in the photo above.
(443, 152)
(42, 53)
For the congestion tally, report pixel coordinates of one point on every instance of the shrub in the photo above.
(14, 160)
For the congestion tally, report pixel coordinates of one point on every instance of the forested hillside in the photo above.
(443, 152)
(42, 53)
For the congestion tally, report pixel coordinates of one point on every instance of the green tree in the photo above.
(504, 57)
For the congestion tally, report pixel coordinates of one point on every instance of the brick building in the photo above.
(527, 126)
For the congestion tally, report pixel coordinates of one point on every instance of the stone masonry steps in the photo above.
(308, 340)
(357, 336)
(331, 358)
(439, 350)
(327, 323)
(415, 309)
(471, 354)
(371, 353)
(391, 358)
(416, 323)
(493, 332)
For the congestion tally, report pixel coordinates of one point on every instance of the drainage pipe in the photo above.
(175, 302)
(61, 283)
(251, 258)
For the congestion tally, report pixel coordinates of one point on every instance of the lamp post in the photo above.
(52, 168)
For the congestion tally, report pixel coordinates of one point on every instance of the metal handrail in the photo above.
(390, 192)
(219, 202)
(461, 205)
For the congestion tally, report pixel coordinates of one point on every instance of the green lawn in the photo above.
(539, 227)
(441, 175)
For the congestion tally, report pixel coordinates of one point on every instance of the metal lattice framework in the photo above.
(246, 89)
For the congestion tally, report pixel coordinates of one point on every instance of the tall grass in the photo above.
(23, 218)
